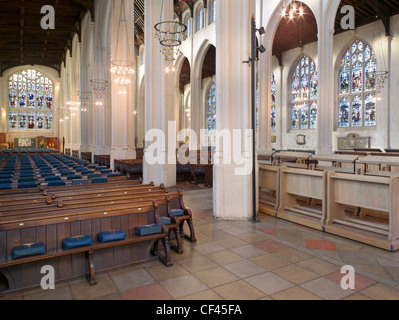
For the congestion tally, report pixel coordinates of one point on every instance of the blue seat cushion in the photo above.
(25, 185)
(111, 235)
(165, 220)
(80, 182)
(26, 175)
(99, 180)
(4, 181)
(67, 173)
(74, 177)
(106, 171)
(116, 174)
(59, 183)
(53, 178)
(94, 175)
(148, 229)
(27, 250)
(5, 186)
(86, 172)
(101, 168)
(6, 176)
(177, 212)
(77, 242)
(26, 180)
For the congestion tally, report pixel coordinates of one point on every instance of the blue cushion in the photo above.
(77, 242)
(165, 220)
(26, 175)
(59, 183)
(4, 181)
(111, 235)
(80, 169)
(177, 212)
(5, 186)
(101, 168)
(86, 172)
(74, 177)
(106, 171)
(116, 174)
(80, 182)
(53, 178)
(135, 170)
(28, 250)
(148, 229)
(94, 175)
(67, 173)
(99, 180)
(26, 180)
(25, 185)
(6, 176)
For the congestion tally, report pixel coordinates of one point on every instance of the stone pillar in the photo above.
(326, 95)
(233, 189)
(122, 129)
(159, 104)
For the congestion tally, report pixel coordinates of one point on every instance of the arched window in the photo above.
(357, 87)
(212, 11)
(273, 102)
(29, 92)
(304, 89)
(200, 18)
(187, 21)
(211, 108)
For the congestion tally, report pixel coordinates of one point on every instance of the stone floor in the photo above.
(239, 260)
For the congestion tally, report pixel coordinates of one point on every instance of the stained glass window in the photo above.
(357, 87)
(273, 104)
(304, 92)
(200, 19)
(29, 92)
(212, 11)
(211, 109)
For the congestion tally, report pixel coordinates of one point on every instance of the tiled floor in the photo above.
(239, 260)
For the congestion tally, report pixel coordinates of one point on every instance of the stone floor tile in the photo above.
(151, 291)
(381, 292)
(216, 277)
(183, 286)
(132, 279)
(248, 251)
(84, 291)
(295, 274)
(270, 261)
(224, 257)
(244, 269)
(160, 273)
(239, 290)
(295, 293)
(326, 289)
(269, 283)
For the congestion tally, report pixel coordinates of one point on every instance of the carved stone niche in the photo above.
(352, 141)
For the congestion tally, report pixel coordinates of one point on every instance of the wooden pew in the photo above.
(74, 263)
(269, 188)
(293, 159)
(303, 197)
(377, 223)
(52, 225)
(339, 163)
(380, 165)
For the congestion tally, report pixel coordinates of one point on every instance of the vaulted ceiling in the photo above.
(24, 42)
(301, 31)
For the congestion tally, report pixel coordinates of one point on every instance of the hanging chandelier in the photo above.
(292, 10)
(170, 35)
(122, 69)
(99, 85)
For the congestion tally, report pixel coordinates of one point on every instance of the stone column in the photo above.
(232, 188)
(122, 131)
(159, 104)
(326, 95)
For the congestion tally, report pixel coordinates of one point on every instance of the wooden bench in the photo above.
(269, 188)
(293, 159)
(377, 220)
(339, 162)
(75, 263)
(50, 224)
(303, 197)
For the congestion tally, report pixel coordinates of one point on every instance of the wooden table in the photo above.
(301, 159)
(380, 161)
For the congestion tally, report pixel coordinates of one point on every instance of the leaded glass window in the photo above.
(212, 11)
(357, 87)
(211, 108)
(304, 92)
(30, 92)
(273, 102)
(200, 19)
